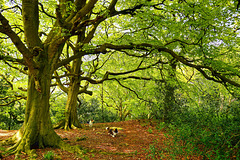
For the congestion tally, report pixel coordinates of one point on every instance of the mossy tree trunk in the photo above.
(37, 130)
(169, 97)
(41, 60)
(71, 119)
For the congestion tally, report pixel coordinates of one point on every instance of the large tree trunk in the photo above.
(37, 130)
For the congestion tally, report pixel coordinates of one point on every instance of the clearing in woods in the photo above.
(136, 140)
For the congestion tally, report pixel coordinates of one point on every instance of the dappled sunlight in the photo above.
(131, 142)
(7, 133)
(163, 75)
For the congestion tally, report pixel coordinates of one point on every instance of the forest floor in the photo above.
(136, 140)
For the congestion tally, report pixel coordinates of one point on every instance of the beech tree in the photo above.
(153, 32)
(40, 56)
(78, 79)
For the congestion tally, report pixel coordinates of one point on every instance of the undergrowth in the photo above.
(203, 134)
(49, 156)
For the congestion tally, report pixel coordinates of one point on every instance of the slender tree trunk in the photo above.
(71, 119)
(169, 98)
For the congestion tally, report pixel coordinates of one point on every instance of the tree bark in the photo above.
(169, 98)
(71, 119)
(37, 130)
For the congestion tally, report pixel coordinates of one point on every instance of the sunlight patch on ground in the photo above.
(129, 151)
(6, 133)
(106, 146)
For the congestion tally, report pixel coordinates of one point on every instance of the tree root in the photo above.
(61, 125)
(69, 148)
(12, 140)
(22, 145)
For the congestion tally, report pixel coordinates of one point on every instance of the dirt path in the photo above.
(131, 143)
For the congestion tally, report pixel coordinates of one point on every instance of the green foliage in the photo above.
(211, 135)
(49, 155)
(91, 109)
(150, 130)
(154, 152)
(203, 33)
(57, 102)
(206, 124)
(12, 115)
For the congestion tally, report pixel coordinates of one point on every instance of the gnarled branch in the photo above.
(17, 99)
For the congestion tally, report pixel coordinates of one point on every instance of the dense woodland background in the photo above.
(176, 62)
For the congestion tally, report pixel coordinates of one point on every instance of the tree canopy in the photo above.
(135, 49)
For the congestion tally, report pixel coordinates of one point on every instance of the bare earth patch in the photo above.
(131, 143)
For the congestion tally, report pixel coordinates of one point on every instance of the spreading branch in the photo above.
(107, 74)
(43, 10)
(14, 67)
(10, 8)
(6, 29)
(17, 99)
(9, 82)
(216, 75)
(130, 90)
(59, 83)
(82, 12)
(84, 90)
(203, 69)
(11, 59)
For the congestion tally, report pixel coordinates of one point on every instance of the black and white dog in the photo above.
(112, 132)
